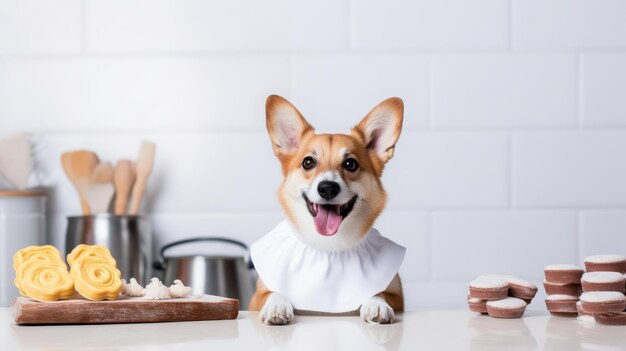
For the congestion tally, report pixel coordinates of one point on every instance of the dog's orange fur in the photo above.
(358, 145)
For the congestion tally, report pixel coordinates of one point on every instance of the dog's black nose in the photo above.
(328, 190)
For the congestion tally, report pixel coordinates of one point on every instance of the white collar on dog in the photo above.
(325, 281)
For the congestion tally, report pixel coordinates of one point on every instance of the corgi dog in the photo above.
(331, 194)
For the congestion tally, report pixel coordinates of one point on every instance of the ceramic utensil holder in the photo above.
(22, 224)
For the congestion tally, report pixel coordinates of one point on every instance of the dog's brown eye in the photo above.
(308, 163)
(350, 165)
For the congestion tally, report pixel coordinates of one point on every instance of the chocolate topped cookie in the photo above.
(597, 302)
(509, 307)
(563, 274)
(488, 288)
(618, 318)
(606, 263)
(520, 288)
(567, 289)
(603, 281)
(562, 305)
(477, 305)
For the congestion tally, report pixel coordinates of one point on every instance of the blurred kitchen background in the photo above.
(512, 157)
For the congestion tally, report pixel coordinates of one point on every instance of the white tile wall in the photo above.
(512, 156)
(449, 170)
(36, 26)
(568, 24)
(122, 94)
(508, 242)
(504, 91)
(197, 25)
(325, 87)
(601, 230)
(426, 25)
(604, 94)
(569, 169)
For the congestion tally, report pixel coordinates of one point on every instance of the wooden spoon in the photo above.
(79, 166)
(123, 178)
(101, 190)
(145, 162)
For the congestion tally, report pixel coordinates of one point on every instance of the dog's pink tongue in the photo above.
(327, 220)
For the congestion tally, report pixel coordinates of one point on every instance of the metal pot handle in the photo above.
(160, 264)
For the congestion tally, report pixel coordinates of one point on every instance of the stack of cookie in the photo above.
(603, 289)
(500, 296)
(562, 284)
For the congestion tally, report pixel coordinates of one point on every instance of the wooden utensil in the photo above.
(145, 162)
(124, 310)
(100, 191)
(79, 167)
(123, 178)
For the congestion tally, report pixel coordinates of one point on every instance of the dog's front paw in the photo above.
(277, 310)
(376, 311)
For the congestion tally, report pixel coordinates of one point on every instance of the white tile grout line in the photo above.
(351, 30)
(580, 81)
(83, 27)
(510, 25)
(430, 245)
(284, 52)
(510, 170)
(260, 130)
(579, 246)
(430, 92)
(292, 77)
(349, 23)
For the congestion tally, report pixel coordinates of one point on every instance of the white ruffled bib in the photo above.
(325, 281)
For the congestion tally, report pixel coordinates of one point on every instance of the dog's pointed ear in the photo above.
(380, 129)
(285, 125)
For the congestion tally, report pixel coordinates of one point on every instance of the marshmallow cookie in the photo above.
(567, 289)
(477, 305)
(562, 305)
(606, 263)
(508, 307)
(488, 288)
(618, 318)
(563, 274)
(598, 302)
(521, 289)
(603, 281)
(581, 312)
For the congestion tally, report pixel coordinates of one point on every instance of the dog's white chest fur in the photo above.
(325, 281)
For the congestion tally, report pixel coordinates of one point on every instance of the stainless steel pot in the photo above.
(127, 237)
(220, 275)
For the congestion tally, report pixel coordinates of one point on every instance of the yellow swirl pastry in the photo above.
(90, 250)
(45, 281)
(96, 278)
(46, 254)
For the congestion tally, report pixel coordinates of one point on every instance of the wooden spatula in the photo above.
(123, 178)
(100, 191)
(79, 167)
(145, 161)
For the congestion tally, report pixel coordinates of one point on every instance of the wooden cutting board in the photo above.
(124, 310)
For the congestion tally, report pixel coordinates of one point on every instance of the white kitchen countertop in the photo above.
(419, 330)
